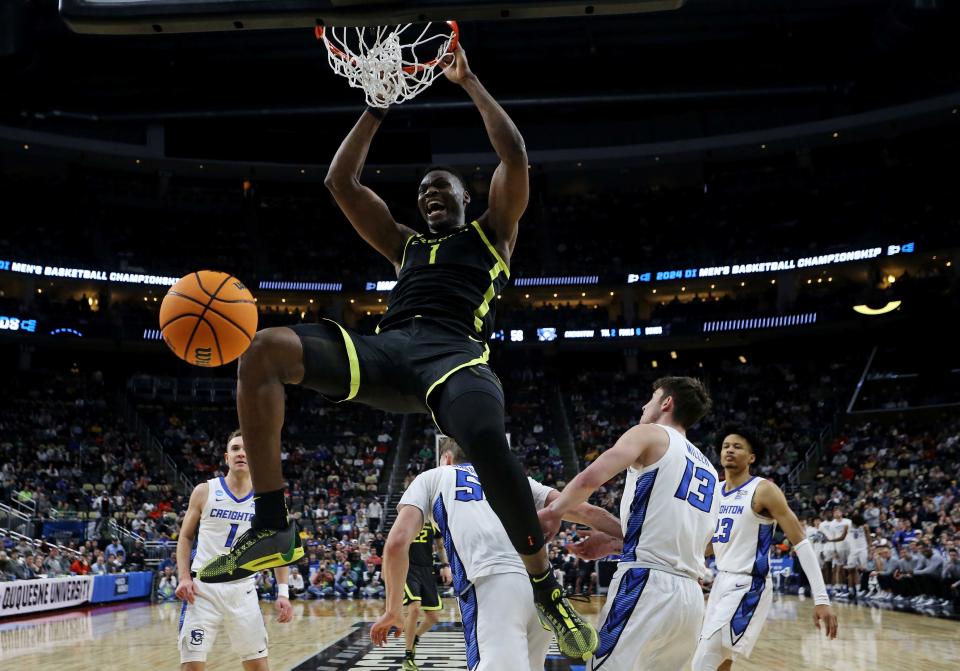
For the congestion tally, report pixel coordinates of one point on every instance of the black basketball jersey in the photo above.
(454, 279)
(421, 548)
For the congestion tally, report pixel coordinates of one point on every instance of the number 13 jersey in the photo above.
(669, 510)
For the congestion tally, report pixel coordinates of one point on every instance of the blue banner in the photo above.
(121, 586)
(64, 529)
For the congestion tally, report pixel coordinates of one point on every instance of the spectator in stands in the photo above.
(136, 560)
(265, 583)
(951, 579)
(928, 575)
(53, 566)
(167, 589)
(167, 562)
(374, 515)
(103, 505)
(115, 548)
(99, 567)
(295, 581)
(321, 582)
(114, 564)
(80, 565)
(373, 587)
(19, 567)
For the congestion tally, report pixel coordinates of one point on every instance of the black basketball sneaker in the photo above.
(255, 550)
(576, 638)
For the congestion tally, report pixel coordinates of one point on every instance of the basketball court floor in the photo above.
(333, 636)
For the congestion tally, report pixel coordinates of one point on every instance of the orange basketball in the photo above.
(208, 318)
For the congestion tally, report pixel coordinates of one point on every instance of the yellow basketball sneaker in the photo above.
(576, 638)
(408, 663)
(255, 550)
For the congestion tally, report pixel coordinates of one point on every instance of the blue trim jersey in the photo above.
(473, 536)
(741, 542)
(669, 509)
(223, 519)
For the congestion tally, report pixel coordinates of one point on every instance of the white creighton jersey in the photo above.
(856, 539)
(742, 541)
(833, 528)
(669, 510)
(475, 540)
(223, 519)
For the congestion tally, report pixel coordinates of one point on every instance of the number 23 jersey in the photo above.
(473, 536)
(669, 510)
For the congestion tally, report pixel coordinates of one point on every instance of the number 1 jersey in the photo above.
(223, 519)
(669, 511)
(473, 536)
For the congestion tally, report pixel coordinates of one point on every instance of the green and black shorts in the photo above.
(398, 370)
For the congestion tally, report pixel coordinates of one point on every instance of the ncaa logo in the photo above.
(196, 636)
(741, 494)
(219, 492)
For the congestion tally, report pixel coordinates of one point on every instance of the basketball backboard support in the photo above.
(132, 17)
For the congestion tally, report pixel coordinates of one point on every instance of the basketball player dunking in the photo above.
(501, 627)
(750, 509)
(221, 509)
(429, 354)
(668, 512)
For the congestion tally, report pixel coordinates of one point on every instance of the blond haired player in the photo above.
(219, 511)
(750, 509)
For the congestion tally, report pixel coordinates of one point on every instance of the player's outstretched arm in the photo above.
(631, 447)
(510, 186)
(396, 561)
(769, 497)
(186, 588)
(365, 210)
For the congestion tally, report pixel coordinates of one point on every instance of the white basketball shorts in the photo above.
(738, 607)
(501, 627)
(651, 620)
(236, 607)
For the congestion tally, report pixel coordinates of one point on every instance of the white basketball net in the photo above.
(392, 64)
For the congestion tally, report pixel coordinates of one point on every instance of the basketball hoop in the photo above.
(392, 64)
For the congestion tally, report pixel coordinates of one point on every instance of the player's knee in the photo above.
(484, 442)
(709, 655)
(258, 664)
(274, 354)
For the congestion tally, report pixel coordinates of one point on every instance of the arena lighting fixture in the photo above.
(673, 355)
(654, 363)
(891, 279)
(867, 310)
(742, 359)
